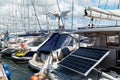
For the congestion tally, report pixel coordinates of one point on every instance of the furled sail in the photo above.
(94, 12)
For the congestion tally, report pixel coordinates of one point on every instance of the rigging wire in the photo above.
(12, 18)
(20, 14)
(99, 21)
(104, 8)
(98, 7)
(99, 3)
(114, 5)
(35, 13)
(106, 4)
(46, 12)
(118, 8)
(119, 4)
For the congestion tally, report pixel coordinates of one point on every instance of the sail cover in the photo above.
(94, 12)
(55, 42)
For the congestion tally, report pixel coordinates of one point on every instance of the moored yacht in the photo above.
(25, 55)
(54, 44)
(98, 61)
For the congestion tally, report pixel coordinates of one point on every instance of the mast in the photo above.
(21, 10)
(59, 16)
(72, 14)
(46, 11)
(12, 17)
(35, 23)
(33, 5)
(9, 19)
(16, 20)
(28, 18)
(24, 15)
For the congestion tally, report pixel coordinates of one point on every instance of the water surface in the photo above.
(19, 71)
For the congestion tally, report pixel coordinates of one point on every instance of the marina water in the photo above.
(19, 71)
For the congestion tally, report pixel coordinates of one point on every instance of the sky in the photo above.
(16, 12)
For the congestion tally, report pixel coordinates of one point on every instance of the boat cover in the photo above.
(55, 42)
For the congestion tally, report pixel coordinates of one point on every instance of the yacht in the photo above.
(100, 60)
(54, 44)
(13, 45)
(25, 55)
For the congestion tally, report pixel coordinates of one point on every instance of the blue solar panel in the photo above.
(78, 64)
(90, 53)
(83, 60)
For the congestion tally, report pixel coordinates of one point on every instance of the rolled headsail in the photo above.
(94, 12)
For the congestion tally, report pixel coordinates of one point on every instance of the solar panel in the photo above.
(83, 60)
(90, 53)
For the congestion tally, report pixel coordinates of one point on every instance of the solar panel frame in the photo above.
(92, 67)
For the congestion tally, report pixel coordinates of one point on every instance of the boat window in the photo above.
(25, 41)
(90, 41)
(38, 41)
(112, 41)
(18, 41)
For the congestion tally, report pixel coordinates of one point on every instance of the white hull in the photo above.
(21, 58)
(35, 65)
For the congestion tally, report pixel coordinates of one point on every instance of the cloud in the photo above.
(5, 2)
(19, 9)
